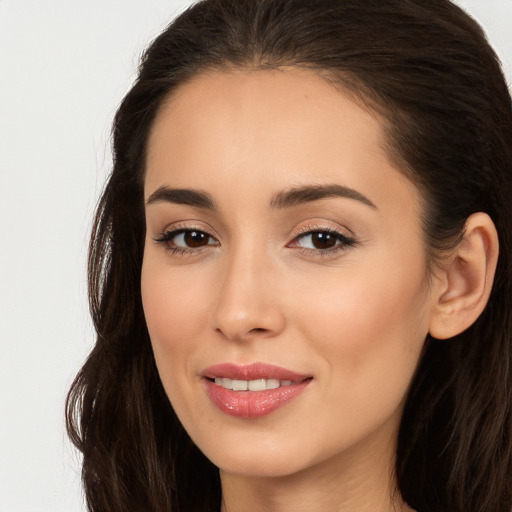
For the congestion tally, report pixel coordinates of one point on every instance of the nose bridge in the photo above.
(247, 303)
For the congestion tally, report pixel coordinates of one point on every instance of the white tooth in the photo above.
(257, 385)
(286, 383)
(218, 381)
(227, 383)
(272, 383)
(239, 385)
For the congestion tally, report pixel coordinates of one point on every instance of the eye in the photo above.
(192, 239)
(185, 240)
(323, 241)
(318, 240)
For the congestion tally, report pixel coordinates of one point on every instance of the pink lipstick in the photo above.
(254, 390)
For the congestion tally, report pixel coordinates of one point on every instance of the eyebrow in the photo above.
(186, 196)
(285, 199)
(300, 195)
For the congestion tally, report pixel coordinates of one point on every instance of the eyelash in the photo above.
(343, 242)
(166, 237)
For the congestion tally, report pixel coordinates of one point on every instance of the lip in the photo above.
(252, 371)
(253, 404)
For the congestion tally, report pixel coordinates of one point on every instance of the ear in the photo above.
(463, 286)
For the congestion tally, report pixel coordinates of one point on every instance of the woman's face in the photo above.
(283, 249)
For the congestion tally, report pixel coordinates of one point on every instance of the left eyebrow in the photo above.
(300, 195)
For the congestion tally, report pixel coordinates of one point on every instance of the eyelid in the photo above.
(318, 226)
(191, 225)
(165, 236)
(173, 233)
(344, 243)
(343, 236)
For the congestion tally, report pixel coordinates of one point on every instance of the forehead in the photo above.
(276, 128)
(289, 101)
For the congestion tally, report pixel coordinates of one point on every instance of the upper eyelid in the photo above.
(188, 226)
(345, 242)
(307, 229)
(167, 234)
(301, 230)
(337, 234)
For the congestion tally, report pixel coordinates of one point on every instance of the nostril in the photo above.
(238, 335)
(243, 323)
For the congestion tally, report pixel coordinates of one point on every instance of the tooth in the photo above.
(272, 383)
(252, 385)
(257, 385)
(239, 385)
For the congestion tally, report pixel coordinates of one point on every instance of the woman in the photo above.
(294, 270)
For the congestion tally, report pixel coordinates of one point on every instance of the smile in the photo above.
(252, 385)
(252, 391)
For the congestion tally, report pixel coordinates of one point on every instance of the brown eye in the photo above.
(195, 238)
(322, 240)
(186, 239)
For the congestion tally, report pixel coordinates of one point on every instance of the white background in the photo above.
(64, 67)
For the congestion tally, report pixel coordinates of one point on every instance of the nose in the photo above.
(248, 301)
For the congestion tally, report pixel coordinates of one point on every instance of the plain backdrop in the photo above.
(64, 67)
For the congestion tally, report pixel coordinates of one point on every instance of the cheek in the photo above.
(175, 314)
(380, 299)
(370, 331)
(175, 311)
(368, 318)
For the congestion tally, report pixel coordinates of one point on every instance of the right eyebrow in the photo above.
(187, 196)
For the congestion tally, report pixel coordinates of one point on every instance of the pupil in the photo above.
(196, 238)
(323, 240)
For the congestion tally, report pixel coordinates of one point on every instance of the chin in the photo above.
(263, 459)
(268, 468)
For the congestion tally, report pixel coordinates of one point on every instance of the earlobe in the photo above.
(465, 283)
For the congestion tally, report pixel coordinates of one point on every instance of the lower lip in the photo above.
(253, 404)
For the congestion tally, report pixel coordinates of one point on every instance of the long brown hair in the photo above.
(426, 68)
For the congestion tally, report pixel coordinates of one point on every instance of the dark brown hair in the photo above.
(426, 68)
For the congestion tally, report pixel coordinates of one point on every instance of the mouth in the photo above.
(252, 391)
(252, 385)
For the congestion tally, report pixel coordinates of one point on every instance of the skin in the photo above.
(355, 319)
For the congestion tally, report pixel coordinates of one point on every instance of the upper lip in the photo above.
(252, 371)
